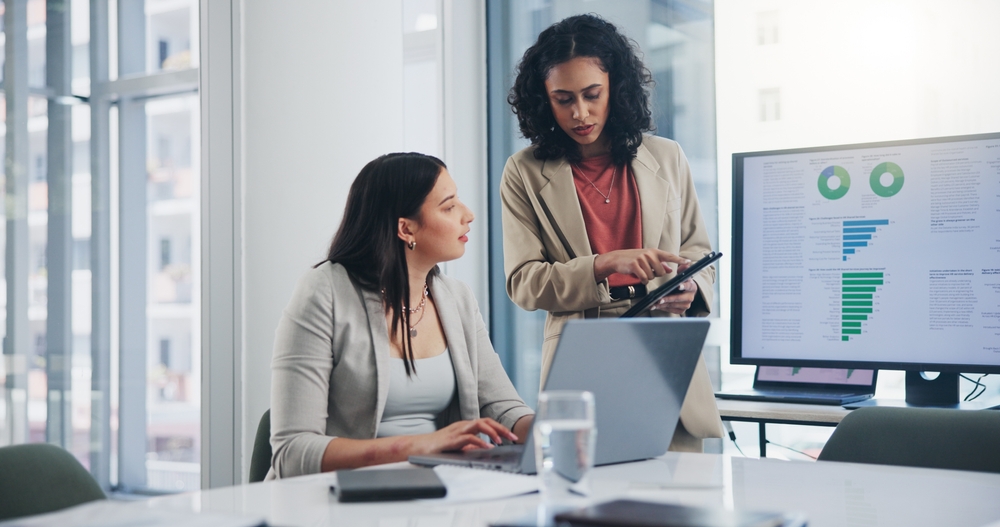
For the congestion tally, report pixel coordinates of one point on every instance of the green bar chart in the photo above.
(857, 301)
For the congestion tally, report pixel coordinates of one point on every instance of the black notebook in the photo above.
(388, 484)
(628, 513)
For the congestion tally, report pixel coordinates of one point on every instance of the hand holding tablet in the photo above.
(655, 295)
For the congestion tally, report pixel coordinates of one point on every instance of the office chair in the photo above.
(37, 478)
(918, 437)
(260, 459)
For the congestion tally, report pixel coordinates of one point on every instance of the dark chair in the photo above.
(37, 478)
(918, 437)
(260, 459)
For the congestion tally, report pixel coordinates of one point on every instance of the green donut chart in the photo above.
(897, 179)
(834, 171)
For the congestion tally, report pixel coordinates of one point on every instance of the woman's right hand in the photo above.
(462, 435)
(644, 264)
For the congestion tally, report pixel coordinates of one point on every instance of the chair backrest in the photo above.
(918, 437)
(260, 459)
(37, 478)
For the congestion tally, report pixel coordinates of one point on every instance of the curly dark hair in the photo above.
(583, 36)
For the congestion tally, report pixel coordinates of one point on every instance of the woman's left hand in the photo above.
(678, 303)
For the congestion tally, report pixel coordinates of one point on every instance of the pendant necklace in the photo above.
(423, 302)
(607, 197)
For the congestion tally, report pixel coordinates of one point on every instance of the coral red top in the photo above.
(611, 211)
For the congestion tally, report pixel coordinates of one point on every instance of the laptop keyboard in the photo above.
(502, 453)
(797, 393)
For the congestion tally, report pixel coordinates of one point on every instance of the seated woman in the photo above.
(378, 355)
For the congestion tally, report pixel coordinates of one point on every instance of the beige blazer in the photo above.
(549, 263)
(331, 367)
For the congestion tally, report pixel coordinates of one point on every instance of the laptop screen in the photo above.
(827, 376)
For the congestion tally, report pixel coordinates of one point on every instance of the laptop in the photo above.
(832, 386)
(638, 369)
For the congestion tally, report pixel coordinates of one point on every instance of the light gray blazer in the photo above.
(330, 370)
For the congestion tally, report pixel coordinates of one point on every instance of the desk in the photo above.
(779, 413)
(830, 494)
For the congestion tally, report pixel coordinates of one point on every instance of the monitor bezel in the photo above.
(736, 318)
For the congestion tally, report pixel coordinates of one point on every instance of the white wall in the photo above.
(465, 134)
(322, 95)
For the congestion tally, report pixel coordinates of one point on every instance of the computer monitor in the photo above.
(879, 255)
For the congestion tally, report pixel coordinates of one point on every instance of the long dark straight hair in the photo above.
(391, 187)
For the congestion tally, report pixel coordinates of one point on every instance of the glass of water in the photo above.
(565, 438)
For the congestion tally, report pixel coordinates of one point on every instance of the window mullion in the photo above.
(59, 240)
(132, 295)
(100, 250)
(132, 206)
(17, 342)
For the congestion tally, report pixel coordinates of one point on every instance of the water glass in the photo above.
(565, 438)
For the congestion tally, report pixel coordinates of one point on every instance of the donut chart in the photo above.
(844, 178)
(897, 179)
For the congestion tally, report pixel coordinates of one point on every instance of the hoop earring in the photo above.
(412, 245)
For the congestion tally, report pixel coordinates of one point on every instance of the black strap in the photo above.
(627, 291)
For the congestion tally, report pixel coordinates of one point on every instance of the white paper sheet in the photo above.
(471, 484)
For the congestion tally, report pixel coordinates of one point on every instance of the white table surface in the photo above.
(830, 494)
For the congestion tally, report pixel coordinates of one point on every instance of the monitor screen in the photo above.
(881, 255)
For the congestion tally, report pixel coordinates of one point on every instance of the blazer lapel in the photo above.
(380, 342)
(652, 194)
(451, 322)
(559, 198)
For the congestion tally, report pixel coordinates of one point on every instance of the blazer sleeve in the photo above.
(533, 280)
(300, 378)
(694, 243)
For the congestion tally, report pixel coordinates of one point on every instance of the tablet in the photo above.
(647, 301)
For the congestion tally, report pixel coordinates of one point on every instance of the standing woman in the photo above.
(595, 211)
(378, 356)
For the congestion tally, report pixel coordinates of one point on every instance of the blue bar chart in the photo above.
(858, 234)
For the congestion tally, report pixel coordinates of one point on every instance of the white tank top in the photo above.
(414, 402)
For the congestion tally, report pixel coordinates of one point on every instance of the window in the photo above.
(677, 40)
(767, 28)
(770, 104)
(101, 334)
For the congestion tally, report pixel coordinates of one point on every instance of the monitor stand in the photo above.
(941, 392)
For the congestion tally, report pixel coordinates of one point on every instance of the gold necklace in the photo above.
(423, 301)
(607, 197)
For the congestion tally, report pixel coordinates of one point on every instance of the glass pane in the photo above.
(36, 43)
(38, 205)
(7, 368)
(56, 401)
(171, 35)
(78, 63)
(81, 284)
(173, 335)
